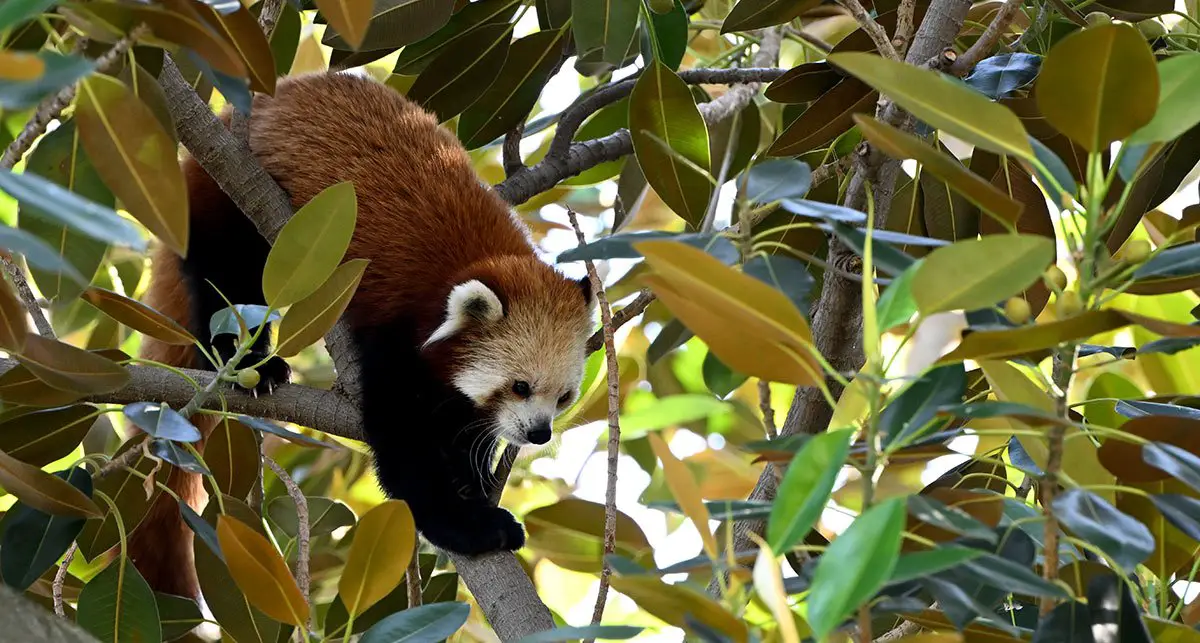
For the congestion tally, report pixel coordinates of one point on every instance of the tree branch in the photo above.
(565, 159)
(302, 525)
(874, 29)
(986, 42)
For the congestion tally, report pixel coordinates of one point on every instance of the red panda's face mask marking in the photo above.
(521, 363)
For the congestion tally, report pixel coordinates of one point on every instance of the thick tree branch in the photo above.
(987, 42)
(560, 163)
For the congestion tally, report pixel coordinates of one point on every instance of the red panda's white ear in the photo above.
(470, 302)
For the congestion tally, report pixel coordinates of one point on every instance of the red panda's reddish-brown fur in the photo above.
(425, 222)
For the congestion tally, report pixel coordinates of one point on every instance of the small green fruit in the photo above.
(248, 378)
(1017, 310)
(1069, 304)
(1136, 251)
(1152, 29)
(662, 6)
(1055, 278)
(1097, 18)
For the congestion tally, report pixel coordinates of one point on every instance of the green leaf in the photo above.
(855, 565)
(1179, 463)
(45, 262)
(424, 624)
(118, 605)
(825, 119)
(33, 541)
(226, 320)
(805, 489)
(382, 548)
(135, 156)
(126, 491)
(393, 23)
(310, 246)
(59, 157)
(662, 106)
(803, 83)
(415, 58)
(68, 368)
(58, 71)
(785, 274)
(671, 31)
(912, 414)
(672, 410)
(515, 92)
(1057, 169)
(161, 421)
(1177, 261)
(932, 511)
(606, 26)
(952, 277)
(1099, 85)
(458, 77)
(139, 317)
(1117, 534)
(350, 19)
(943, 103)
(265, 426)
(1012, 577)
(175, 454)
(229, 606)
(178, 615)
(231, 454)
(926, 563)
(41, 437)
(570, 533)
(756, 14)
(896, 305)
(601, 632)
(324, 515)
(52, 201)
(719, 378)
(13, 12)
(1178, 100)
(310, 318)
(778, 179)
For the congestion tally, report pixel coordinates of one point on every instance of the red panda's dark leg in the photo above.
(437, 462)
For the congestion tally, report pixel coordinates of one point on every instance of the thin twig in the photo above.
(413, 577)
(874, 29)
(60, 578)
(1064, 365)
(614, 424)
(816, 42)
(50, 108)
(899, 632)
(764, 404)
(620, 318)
(986, 42)
(303, 529)
(27, 297)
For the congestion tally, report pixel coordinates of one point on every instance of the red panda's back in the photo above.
(423, 213)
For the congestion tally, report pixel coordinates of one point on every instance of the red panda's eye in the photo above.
(562, 399)
(521, 389)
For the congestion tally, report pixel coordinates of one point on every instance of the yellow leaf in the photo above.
(138, 316)
(310, 246)
(752, 327)
(383, 545)
(261, 573)
(135, 157)
(953, 278)
(310, 318)
(687, 494)
(768, 582)
(349, 17)
(44, 492)
(675, 603)
(20, 67)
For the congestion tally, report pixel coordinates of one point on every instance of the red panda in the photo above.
(465, 336)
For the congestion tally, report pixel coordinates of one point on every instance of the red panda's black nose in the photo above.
(539, 434)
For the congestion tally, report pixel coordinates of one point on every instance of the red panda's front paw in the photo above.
(481, 532)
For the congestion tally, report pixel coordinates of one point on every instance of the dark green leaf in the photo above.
(1180, 463)
(1114, 612)
(803, 83)
(324, 514)
(1181, 511)
(1056, 168)
(1169, 345)
(1068, 622)
(442, 588)
(756, 14)
(602, 632)
(620, 246)
(1011, 577)
(671, 31)
(226, 319)
(395, 23)
(161, 421)
(13, 12)
(458, 77)
(177, 614)
(1137, 408)
(41, 437)
(604, 26)
(719, 378)
(896, 305)
(1177, 261)
(274, 429)
(910, 414)
(1117, 534)
(960, 606)
(826, 211)
(932, 511)
(52, 201)
(887, 258)
(855, 565)
(46, 264)
(417, 56)
(60, 71)
(1001, 75)
(118, 605)
(805, 488)
(178, 456)
(777, 179)
(924, 563)
(516, 90)
(33, 541)
(428, 623)
(204, 532)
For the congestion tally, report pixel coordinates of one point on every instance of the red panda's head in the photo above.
(515, 332)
